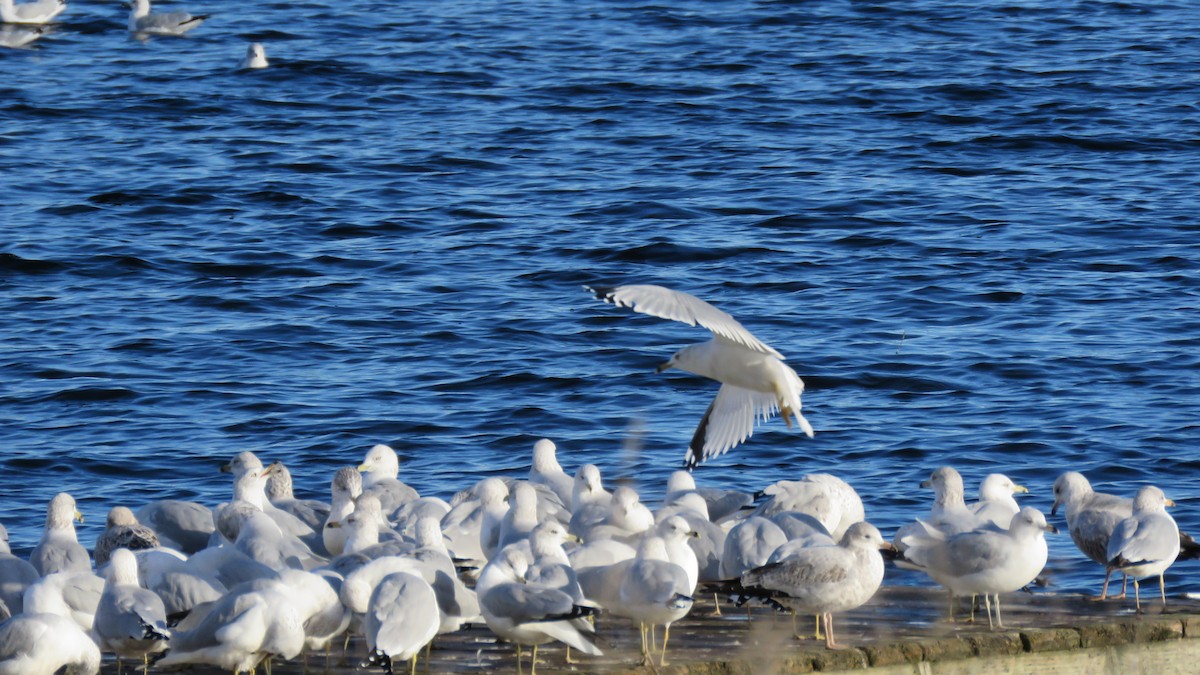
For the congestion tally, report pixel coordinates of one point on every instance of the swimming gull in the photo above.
(1146, 543)
(142, 22)
(42, 644)
(59, 549)
(131, 621)
(38, 12)
(122, 530)
(755, 382)
(18, 36)
(401, 620)
(988, 561)
(256, 57)
(826, 579)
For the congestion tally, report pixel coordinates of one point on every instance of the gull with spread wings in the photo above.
(755, 382)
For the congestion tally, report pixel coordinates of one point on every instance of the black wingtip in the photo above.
(601, 292)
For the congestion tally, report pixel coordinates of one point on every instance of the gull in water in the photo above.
(989, 560)
(822, 580)
(1146, 543)
(16, 37)
(142, 22)
(39, 12)
(256, 57)
(755, 382)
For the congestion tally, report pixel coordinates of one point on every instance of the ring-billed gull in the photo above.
(1146, 543)
(718, 503)
(74, 595)
(748, 545)
(996, 503)
(122, 530)
(181, 525)
(822, 580)
(653, 593)
(380, 468)
(42, 644)
(949, 514)
(39, 12)
(345, 487)
(17, 36)
(546, 470)
(59, 549)
(142, 22)
(247, 625)
(988, 561)
(528, 614)
(280, 494)
(402, 618)
(823, 496)
(256, 57)
(755, 382)
(16, 575)
(131, 621)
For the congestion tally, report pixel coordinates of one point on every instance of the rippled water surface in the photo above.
(971, 227)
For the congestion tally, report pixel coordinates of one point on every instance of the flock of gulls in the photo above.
(539, 558)
(24, 22)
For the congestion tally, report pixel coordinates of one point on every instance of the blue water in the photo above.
(970, 227)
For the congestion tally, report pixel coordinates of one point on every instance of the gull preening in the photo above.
(142, 22)
(35, 13)
(755, 382)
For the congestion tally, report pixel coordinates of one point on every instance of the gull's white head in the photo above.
(256, 56)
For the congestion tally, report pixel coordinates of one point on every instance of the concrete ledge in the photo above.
(903, 631)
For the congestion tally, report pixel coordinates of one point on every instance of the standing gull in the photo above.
(42, 644)
(755, 382)
(990, 561)
(1146, 543)
(822, 580)
(59, 549)
(1091, 518)
(130, 621)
